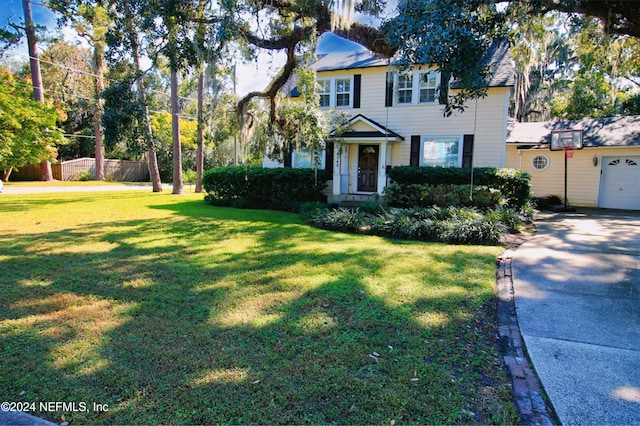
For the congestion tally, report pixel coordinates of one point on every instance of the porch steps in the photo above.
(354, 200)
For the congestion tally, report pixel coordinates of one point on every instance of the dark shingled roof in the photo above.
(498, 57)
(596, 132)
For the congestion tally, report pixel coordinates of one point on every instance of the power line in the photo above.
(95, 75)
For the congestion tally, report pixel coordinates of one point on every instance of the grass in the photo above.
(168, 310)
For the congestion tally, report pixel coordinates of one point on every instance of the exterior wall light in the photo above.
(595, 161)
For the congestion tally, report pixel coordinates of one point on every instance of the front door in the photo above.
(368, 168)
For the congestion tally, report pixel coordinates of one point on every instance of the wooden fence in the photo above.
(114, 170)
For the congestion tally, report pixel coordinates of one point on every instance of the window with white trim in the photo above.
(540, 162)
(343, 92)
(302, 159)
(336, 92)
(324, 90)
(441, 151)
(405, 89)
(428, 87)
(417, 87)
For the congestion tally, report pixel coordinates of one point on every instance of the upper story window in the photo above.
(343, 92)
(335, 92)
(405, 88)
(417, 87)
(324, 90)
(428, 87)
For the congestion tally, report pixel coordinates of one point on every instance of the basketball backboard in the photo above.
(564, 140)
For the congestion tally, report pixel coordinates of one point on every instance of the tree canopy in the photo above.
(28, 132)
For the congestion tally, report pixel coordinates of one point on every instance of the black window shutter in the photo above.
(388, 97)
(467, 151)
(443, 94)
(357, 82)
(328, 159)
(414, 158)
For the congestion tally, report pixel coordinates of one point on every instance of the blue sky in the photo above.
(253, 76)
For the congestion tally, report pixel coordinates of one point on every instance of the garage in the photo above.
(620, 183)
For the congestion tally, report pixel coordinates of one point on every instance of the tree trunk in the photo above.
(178, 186)
(200, 149)
(46, 174)
(6, 173)
(154, 172)
(98, 56)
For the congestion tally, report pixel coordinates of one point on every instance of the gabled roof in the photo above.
(596, 132)
(375, 131)
(498, 58)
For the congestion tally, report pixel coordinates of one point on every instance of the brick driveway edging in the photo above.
(529, 397)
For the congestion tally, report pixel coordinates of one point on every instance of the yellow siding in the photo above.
(485, 118)
(583, 178)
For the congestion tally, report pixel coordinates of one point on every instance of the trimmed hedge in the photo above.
(512, 185)
(261, 188)
(425, 195)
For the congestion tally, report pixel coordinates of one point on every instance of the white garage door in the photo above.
(620, 183)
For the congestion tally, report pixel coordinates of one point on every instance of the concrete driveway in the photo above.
(577, 296)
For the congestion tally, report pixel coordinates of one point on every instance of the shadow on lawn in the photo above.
(174, 321)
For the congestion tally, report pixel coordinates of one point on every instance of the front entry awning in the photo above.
(361, 128)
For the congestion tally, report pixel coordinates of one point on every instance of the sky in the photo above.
(250, 77)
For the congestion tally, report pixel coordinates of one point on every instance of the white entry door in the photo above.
(620, 183)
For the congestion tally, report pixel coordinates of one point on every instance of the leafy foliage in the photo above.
(425, 195)
(453, 36)
(454, 225)
(28, 129)
(259, 188)
(418, 186)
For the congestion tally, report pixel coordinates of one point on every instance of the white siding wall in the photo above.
(487, 119)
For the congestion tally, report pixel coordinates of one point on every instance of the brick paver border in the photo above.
(528, 393)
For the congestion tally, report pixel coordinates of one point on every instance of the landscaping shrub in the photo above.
(260, 188)
(425, 195)
(543, 203)
(508, 186)
(454, 225)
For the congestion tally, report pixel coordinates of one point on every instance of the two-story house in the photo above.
(397, 119)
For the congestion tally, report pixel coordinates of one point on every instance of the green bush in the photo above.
(259, 188)
(189, 176)
(543, 203)
(84, 175)
(416, 185)
(425, 195)
(453, 225)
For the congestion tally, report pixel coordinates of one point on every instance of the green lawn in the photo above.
(169, 310)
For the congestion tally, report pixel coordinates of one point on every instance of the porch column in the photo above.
(382, 168)
(344, 169)
(337, 176)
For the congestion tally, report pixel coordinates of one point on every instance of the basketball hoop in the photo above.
(567, 141)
